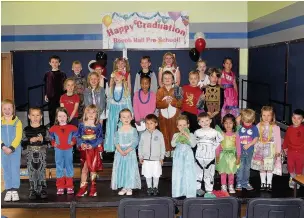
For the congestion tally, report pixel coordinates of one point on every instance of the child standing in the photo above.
(35, 139)
(268, 148)
(125, 172)
(70, 101)
(80, 83)
(118, 98)
(183, 169)
(228, 82)
(95, 66)
(151, 153)
(89, 141)
(53, 87)
(145, 63)
(249, 135)
(11, 134)
(207, 140)
(203, 78)
(169, 109)
(122, 65)
(144, 101)
(63, 139)
(228, 153)
(169, 64)
(191, 96)
(293, 145)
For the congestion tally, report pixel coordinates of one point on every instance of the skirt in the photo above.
(227, 162)
(263, 158)
(151, 169)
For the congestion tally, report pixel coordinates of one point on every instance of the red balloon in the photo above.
(200, 44)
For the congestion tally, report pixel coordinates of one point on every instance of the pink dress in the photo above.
(230, 95)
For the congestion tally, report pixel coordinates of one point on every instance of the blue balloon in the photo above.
(119, 46)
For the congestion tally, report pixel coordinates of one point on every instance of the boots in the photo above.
(93, 190)
(60, 183)
(83, 189)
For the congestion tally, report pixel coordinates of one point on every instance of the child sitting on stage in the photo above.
(35, 140)
(89, 141)
(125, 172)
(151, 153)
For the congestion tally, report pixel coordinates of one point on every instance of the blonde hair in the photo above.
(115, 68)
(76, 63)
(89, 77)
(35, 109)
(248, 115)
(91, 107)
(124, 84)
(270, 109)
(66, 81)
(182, 117)
(8, 101)
(173, 57)
(194, 73)
(200, 61)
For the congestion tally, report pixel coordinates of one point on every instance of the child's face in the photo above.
(297, 120)
(169, 60)
(70, 85)
(121, 65)
(145, 84)
(94, 81)
(204, 122)
(125, 118)
(228, 125)
(182, 124)
(77, 68)
(202, 67)
(145, 64)
(213, 78)
(62, 118)
(54, 63)
(118, 79)
(35, 116)
(7, 110)
(151, 125)
(193, 80)
(266, 116)
(227, 65)
(98, 70)
(167, 79)
(247, 123)
(91, 114)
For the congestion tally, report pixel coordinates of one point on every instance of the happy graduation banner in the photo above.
(160, 30)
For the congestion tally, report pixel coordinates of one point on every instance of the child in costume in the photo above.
(169, 108)
(169, 64)
(53, 88)
(249, 135)
(122, 65)
(125, 172)
(268, 149)
(63, 139)
(35, 140)
(191, 96)
(228, 153)
(145, 63)
(203, 77)
(207, 140)
(151, 153)
(80, 84)
(293, 146)
(97, 66)
(228, 82)
(70, 101)
(183, 169)
(11, 134)
(144, 102)
(118, 98)
(89, 142)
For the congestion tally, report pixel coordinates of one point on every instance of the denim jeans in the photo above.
(243, 173)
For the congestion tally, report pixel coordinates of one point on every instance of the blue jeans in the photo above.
(64, 160)
(243, 173)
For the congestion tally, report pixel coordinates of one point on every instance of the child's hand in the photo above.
(5, 150)
(203, 96)
(141, 161)
(215, 113)
(89, 147)
(161, 162)
(46, 98)
(122, 153)
(237, 162)
(101, 121)
(247, 146)
(83, 146)
(278, 154)
(217, 159)
(33, 139)
(40, 137)
(285, 151)
(169, 99)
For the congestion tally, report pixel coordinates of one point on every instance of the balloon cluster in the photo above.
(200, 45)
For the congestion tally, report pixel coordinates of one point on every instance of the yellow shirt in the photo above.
(18, 136)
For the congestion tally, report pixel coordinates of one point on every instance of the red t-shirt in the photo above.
(294, 139)
(190, 98)
(69, 103)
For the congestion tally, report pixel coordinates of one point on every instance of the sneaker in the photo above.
(122, 192)
(248, 187)
(263, 187)
(70, 191)
(155, 191)
(129, 192)
(224, 188)
(32, 195)
(200, 192)
(238, 187)
(231, 189)
(269, 187)
(43, 194)
(15, 196)
(60, 191)
(150, 191)
(8, 196)
(291, 183)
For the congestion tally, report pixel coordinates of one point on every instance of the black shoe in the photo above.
(263, 187)
(150, 191)
(43, 194)
(32, 195)
(155, 191)
(269, 187)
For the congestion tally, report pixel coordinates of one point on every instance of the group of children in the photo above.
(186, 117)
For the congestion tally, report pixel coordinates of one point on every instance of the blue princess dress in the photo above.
(116, 101)
(183, 170)
(125, 173)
